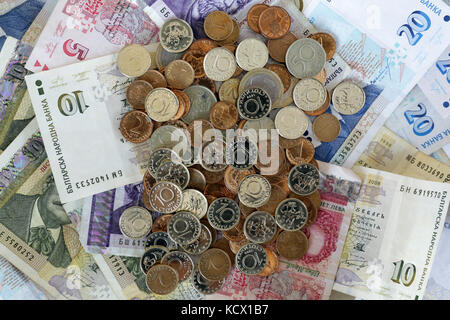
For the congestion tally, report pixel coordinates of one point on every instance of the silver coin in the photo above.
(173, 172)
(159, 156)
(309, 94)
(184, 228)
(291, 214)
(181, 262)
(348, 98)
(169, 137)
(152, 256)
(201, 244)
(135, 222)
(224, 214)
(204, 286)
(291, 122)
(265, 79)
(162, 239)
(219, 64)
(195, 202)
(254, 191)
(252, 53)
(176, 35)
(254, 103)
(303, 179)
(191, 156)
(305, 58)
(251, 259)
(260, 227)
(241, 153)
(213, 156)
(259, 129)
(164, 57)
(202, 99)
(165, 197)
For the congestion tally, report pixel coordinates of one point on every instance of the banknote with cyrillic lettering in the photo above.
(79, 108)
(390, 45)
(79, 30)
(393, 237)
(423, 117)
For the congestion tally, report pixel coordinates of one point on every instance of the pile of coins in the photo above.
(226, 201)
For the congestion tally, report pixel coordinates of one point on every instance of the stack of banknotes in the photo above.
(389, 239)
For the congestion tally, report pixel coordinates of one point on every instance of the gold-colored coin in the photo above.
(218, 25)
(292, 245)
(214, 264)
(229, 90)
(161, 279)
(161, 104)
(133, 60)
(326, 127)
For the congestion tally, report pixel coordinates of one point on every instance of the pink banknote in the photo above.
(312, 276)
(86, 29)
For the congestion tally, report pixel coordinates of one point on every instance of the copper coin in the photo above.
(155, 78)
(234, 176)
(204, 45)
(230, 47)
(237, 233)
(321, 109)
(270, 157)
(289, 143)
(213, 231)
(206, 82)
(137, 91)
(210, 177)
(326, 127)
(321, 76)
(218, 191)
(301, 153)
(210, 198)
(136, 126)
(181, 106)
(272, 264)
(197, 180)
(292, 245)
(327, 42)
(312, 212)
(276, 196)
(274, 22)
(186, 101)
(160, 223)
(218, 25)
(148, 181)
(223, 115)
(214, 264)
(179, 74)
(225, 246)
(236, 245)
(314, 163)
(283, 73)
(179, 124)
(146, 200)
(161, 279)
(314, 198)
(280, 179)
(234, 36)
(195, 59)
(253, 16)
(278, 47)
(246, 210)
(199, 132)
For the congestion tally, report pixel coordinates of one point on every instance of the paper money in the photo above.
(423, 117)
(391, 153)
(79, 30)
(370, 38)
(16, 17)
(15, 104)
(100, 231)
(81, 142)
(312, 276)
(30, 37)
(36, 235)
(393, 236)
(14, 285)
(125, 277)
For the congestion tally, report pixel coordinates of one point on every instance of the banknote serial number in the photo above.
(99, 179)
(421, 192)
(17, 246)
(428, 169)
